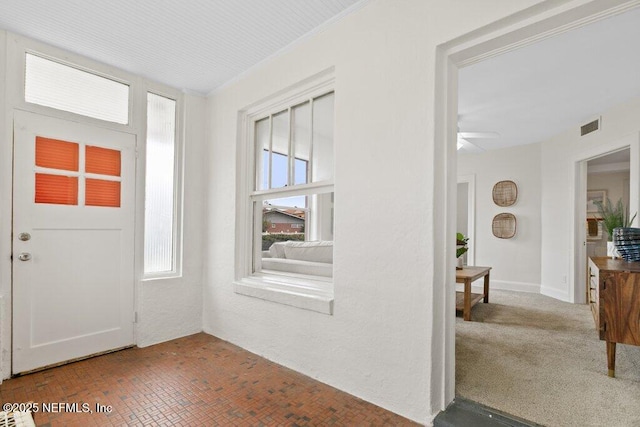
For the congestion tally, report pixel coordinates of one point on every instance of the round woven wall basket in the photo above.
(504, 225)
(505, 193)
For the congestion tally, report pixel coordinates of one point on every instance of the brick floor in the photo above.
(193, 381)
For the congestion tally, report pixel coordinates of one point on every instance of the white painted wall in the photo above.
(548, 216)
(462, 217)
(167, 308)
(378, 344)
(5, 215)
(614, 184)
(515, 262)
(558, 156)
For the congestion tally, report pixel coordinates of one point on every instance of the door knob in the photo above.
(24, 236)
(24, 256)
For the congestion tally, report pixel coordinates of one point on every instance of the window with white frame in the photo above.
(290, 198)
(160, 225)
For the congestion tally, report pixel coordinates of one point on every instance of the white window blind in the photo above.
(66, 88)
(160, 206)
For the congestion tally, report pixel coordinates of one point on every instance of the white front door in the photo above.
(73, 240)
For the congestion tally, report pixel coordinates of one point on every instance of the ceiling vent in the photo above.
(590, 127)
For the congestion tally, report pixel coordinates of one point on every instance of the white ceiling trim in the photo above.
(586, 10)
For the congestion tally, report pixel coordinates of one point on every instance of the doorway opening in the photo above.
(611, 167)
(607, 181)
(462, 53)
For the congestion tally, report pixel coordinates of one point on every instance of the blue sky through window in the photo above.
(279, 173)
(278, 170)
(300, 172)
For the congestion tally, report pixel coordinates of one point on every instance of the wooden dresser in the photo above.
(614, 297)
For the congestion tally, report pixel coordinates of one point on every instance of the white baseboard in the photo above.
(503, 285)
(555, 293)
(507, 285)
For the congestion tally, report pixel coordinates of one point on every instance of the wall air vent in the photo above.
(590, 127)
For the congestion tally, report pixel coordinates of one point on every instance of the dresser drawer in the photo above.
(593, 276)
(593, 293)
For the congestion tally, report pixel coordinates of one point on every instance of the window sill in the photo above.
(161, 276)
(308, 294)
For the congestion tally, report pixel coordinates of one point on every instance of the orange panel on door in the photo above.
(100, 192)
(56, 189)
(103, 161)
(56, 154)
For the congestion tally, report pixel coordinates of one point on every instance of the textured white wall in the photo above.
(378, 344)
(172, 308)
(6, 132)
(558, 156)
(515, 262)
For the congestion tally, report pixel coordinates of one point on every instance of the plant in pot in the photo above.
(461, 248)
(613, 216)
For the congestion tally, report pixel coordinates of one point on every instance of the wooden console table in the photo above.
(465, 300)
(614, 296)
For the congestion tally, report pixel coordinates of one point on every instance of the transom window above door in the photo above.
(63, 87)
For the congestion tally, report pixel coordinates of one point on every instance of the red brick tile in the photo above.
(193, 381)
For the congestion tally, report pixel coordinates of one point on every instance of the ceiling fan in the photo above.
(465, 137)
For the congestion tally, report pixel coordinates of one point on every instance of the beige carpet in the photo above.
(540, 359)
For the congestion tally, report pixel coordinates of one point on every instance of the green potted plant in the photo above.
(461, 248)
(613, 216)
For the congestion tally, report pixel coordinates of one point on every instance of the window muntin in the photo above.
(160, 189)
(279, 150)
(292, 196)
(64, 176)
(301, 142)
(295, 146)
(52, 84)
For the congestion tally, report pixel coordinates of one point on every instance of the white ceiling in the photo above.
(533, 93)
(526, 96)
(195, 45)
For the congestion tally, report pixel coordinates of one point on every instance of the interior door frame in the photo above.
(538, 22)
(578, 280)
(12, 50)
